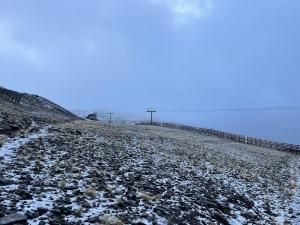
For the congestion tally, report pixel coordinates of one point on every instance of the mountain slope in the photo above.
(21, 110)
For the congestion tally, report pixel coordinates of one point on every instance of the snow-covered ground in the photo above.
(90, 173)
(14, 143)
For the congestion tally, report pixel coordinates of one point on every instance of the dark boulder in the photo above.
(92, 116)
(8, 128)
(4, 181)
(5, 128)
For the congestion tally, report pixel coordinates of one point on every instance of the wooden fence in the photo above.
(233, 137)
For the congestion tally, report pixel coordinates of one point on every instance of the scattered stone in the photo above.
(13, 219)
(85, 172)
(4, 181)
(5, 128)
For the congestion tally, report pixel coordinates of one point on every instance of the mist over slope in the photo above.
(117, 117)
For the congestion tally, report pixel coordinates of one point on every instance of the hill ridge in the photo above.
(21, 110)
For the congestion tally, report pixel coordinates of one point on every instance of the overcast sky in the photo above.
(127, 55)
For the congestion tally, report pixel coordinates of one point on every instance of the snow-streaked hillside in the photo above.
(93, 173)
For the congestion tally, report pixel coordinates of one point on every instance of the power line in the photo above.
(250, 109)
(276, 108)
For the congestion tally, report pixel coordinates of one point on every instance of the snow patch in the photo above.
(7, 149)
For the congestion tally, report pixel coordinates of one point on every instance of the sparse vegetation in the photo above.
(62, 184)
(110, 220)
(90, 191)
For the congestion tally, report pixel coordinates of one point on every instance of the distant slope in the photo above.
(21, 109)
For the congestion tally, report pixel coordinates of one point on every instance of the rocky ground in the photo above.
(90, 173)
(21, 112)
